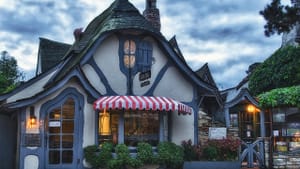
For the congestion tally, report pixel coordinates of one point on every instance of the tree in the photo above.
(282, 69)
(280, 18)
(10, 75)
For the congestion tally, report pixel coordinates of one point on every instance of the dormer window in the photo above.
(129, 53)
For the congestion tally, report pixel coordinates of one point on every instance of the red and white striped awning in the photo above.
(141, 103)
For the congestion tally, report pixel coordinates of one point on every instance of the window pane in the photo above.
(54, 141)
(68, 126)
(68, 109)
(55, 114)
(141, 126)
(54, 129)
(67, 141)
(67, 156)
(54, 157)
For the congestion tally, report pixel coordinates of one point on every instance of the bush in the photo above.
(191, 152)
(170, 155)
(211, 152)
(145, 153)
(222, 150)
(98, 158)
(90, 154)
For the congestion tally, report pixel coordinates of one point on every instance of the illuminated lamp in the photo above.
(104, 126)
(32, 118)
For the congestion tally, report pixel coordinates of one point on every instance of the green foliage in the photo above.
(10, 76)
(170, 155)
(282, 69)
(227, 149)
(279, 18)
(281, 97)
(145, 153)
(98, 158)
(124, 159)
(90, 155)
(211, 152)
(191, 152)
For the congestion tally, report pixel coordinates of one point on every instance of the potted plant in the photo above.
(221, 154)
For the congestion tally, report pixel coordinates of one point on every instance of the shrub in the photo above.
(211, 152)
(98, 158)
(90, 154)
(191, 152)
(222, 150)
(170, 155)
(145, 153)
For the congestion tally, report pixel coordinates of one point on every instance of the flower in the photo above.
(216, 150)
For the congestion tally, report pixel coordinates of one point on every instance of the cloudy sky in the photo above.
(227, 34)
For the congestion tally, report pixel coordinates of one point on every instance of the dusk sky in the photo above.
(227, 34)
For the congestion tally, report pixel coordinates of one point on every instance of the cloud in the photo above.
(226, 34)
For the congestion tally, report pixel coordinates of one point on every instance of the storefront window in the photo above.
(141, 126)
(286, 129)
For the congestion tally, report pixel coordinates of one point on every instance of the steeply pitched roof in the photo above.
(51, 53)
(121, 15)
(205, 74)
(174, 44)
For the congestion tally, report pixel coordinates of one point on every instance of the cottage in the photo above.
(120, 81)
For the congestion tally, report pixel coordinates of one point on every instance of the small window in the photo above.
(234, 119)
(129, 53)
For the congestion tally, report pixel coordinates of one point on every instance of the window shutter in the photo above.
(144, 60)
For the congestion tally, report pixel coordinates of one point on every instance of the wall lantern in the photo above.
(32, 118)
(104, 127)
(251, 108)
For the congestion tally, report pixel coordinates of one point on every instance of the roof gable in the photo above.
(121, 15)
(205, 74)
(50, 54)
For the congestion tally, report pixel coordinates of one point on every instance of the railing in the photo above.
(253, 153)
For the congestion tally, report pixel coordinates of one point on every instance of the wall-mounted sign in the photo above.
(145, 83)
(54, 123)
(217, 133)
(145, 75)
(32, 140)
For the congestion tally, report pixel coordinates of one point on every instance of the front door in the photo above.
(61, 139)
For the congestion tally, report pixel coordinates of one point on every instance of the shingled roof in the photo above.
(51, 53)
(205, 74)
(121, 15)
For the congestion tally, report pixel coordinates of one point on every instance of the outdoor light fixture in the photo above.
(104, 126)
(251, 108)
(32, 118)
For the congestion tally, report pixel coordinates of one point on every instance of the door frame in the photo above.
(78, 130)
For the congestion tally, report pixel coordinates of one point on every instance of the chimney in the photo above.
(151, 13)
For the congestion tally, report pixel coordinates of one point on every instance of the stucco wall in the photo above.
(31, 161)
